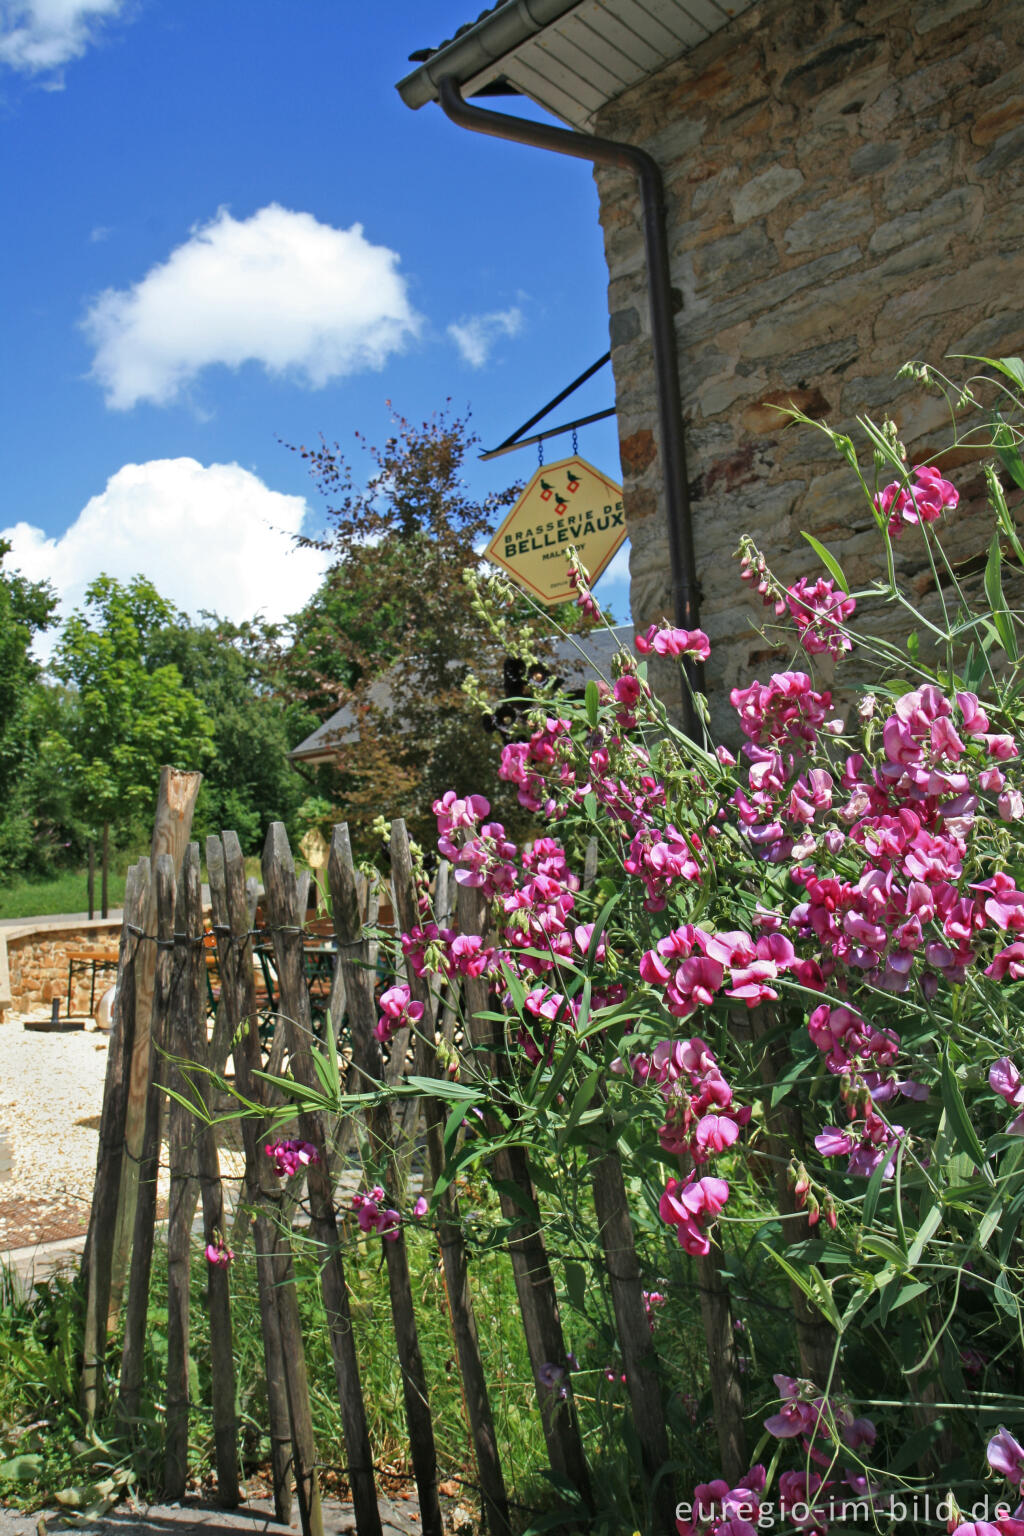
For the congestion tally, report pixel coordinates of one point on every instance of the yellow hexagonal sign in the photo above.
(567, 503)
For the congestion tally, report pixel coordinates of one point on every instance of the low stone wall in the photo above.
(37, 964)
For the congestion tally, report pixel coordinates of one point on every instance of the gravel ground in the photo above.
(51, 1091)
(191, 1518)
(51, 1094)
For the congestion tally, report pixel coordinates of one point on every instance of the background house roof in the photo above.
(570, 56)
(577, 669)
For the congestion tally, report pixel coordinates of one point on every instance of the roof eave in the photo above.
(491, 39)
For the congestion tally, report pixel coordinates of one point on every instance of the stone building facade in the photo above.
(845, 191)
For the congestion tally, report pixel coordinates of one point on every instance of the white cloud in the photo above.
(37, 35)
(617, 570)
(475, 336)
(278, 288)
(212, 537)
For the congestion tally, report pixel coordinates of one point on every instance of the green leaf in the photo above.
(1002, 1294)
(21, 1469)
(452, 1127)
(874, 1243)
(997, 601)
(584, 1093)
(815, 1288)
(828, 560)
(1011, 367)
(964, 1134)
(592, 700)
(443, 1088)
(1009, 454)
(518, 1196)
(576, 1284)
(873, 1191)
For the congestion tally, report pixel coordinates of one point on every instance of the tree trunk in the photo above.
(105, 856)
(90, 880)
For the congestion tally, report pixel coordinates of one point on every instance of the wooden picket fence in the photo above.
(160, 1021)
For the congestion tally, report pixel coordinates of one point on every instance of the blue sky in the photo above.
(226, 229)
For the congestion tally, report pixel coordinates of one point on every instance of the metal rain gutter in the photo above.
(496, 34)
(586, 146)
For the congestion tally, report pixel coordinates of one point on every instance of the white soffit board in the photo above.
(601, 48)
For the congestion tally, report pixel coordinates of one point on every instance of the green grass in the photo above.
(64, 893)
(44, 1446)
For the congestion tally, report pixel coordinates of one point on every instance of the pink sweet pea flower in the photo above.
(716, 1132)
(1008, 962)
(290, 1156)
(419, 1210)
(219, 1253)
(932, 493)
(673, 642)
(1010, 805)
(1006, 1455)
(1001, 747)
(975, 718)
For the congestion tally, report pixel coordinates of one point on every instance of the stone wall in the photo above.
(37, 964)
(845, 190)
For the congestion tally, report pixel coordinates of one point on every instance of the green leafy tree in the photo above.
(235, 671)
(26, 610)
(395, 632)
(124, 715)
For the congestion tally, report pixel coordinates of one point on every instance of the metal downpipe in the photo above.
(587, 146)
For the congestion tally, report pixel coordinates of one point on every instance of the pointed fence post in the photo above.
(535, 1285)
(285, 921)
(453, 1249)
(233, 908)
(175, 804)
(723, 1367)
(366, 1054)
(99, 1246)
(184, 1192)
(611, 1205)
(205, 1054)
(134, 1345)
(816, 1339)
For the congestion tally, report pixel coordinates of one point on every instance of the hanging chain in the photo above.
(540, 452)
(575, 443)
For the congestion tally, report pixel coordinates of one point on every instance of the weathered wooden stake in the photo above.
(184, 1192)
(453, 1249)
(815, 1337)
(287, 1393)
(285, 916)
(286, 921)
(99, 1246)
(633, 1328)
(222, 1361)
(134, 1344)
(535, 1286)
(176, 799)
(723, 1367)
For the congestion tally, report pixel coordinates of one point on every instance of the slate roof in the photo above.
(326, 742)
